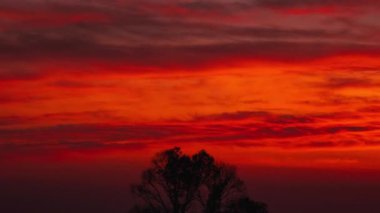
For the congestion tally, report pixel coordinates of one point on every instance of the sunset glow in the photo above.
(277, 83)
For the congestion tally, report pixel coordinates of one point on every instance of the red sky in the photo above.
(268, 83)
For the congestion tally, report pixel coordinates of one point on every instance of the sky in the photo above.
(280, 88)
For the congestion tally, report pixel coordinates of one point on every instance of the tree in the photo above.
(178, 183)
(246, 205)
(223, 186)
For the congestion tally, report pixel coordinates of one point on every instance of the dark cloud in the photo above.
(79, 84)
(311, 3)
(297, 131)
(290, 119)
(76, 52)
(12, 120)
(328, 98)
(94, 133)
(326, 144)
(240, 115)
(19, 74)
(255, 127)
(347, 82)
(294, 136)
(22, 98)
(61, 117)
(88, 135)
(258, 116)
(370, 109)
(367, 69)
(141, 36)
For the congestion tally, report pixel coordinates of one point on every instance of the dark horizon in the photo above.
(95, 187)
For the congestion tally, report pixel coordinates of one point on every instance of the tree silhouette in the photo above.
(178, 183)
(246, 205)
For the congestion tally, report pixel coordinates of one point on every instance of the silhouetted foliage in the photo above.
(246, 205)
(178, 183)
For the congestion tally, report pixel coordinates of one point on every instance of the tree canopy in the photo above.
(179, 183)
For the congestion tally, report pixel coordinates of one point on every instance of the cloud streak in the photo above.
(261, 129)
